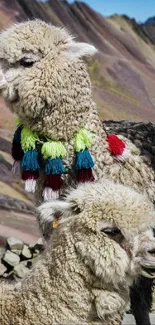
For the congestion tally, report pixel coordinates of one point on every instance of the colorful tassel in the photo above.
(55, 182)
(29, 175)
(53, 152)
(53, 149)
(84, 161)
(30, 162)
(50, 195)
(54, 166)
(17, 152)
(83, 140)
(28, 139)
(16, 168)
(52, 187)
(118, 147)
(30, 157)
(30, 180)
(85, 175)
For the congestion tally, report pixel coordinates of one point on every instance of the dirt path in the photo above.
(19, 225)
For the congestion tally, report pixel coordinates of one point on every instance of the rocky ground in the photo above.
(17, 258)
(129, 320)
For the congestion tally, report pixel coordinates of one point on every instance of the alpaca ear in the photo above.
(78, 50)
(49, 214)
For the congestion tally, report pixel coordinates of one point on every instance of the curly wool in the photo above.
(83, 276)
(55, 99)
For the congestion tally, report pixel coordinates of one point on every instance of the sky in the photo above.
(138, 9)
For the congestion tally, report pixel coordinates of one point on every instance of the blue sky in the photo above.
(138, 9)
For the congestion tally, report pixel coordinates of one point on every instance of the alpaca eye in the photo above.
(26, 63)
(111, 231)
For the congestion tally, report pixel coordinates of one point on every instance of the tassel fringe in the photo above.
(49, 194)
(54, 182)
(84, 160)
(54, 166)
(30, 180)
(17, 152)
(31, 153)
(30, 161)
(30, 185)
(85, 175)
(125, 156)
(118, 147)
(16, 169)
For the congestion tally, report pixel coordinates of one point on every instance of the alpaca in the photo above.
(45, 82)
(103, 239)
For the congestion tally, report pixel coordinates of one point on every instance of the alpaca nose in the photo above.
(152, 252)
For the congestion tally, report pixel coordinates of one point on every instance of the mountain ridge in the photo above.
(122, 74)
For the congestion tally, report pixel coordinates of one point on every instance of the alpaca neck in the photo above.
(94, 124)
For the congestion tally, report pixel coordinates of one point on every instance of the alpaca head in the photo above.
(112, 229)
(43, 78)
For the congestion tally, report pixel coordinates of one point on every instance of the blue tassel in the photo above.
(17, 134)
(84, 160)
(54, 166)
(30, 161)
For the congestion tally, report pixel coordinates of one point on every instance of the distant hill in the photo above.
(123, 73)
(150, 21)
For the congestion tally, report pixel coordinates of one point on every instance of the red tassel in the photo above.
(29, 175)
(85, 175)
(54, 182)
(116, 145)
(17, 152)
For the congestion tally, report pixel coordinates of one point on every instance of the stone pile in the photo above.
(17, 258)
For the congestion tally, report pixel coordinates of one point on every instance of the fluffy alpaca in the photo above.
(45, 82)
(103, 241)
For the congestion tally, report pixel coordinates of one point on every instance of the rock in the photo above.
(39, 246)
(20, 270)
(16, 251)
(8, 275)
(36, 253)
(3, 269)
(2, 251)
(11, 258)
(31, 262)
(15, 244)
(26, 253)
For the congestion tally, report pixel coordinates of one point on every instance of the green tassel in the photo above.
(83, 140)
(53, 149)
(28, 139)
